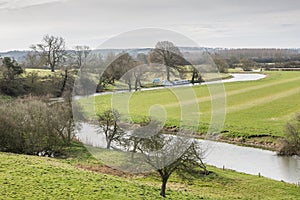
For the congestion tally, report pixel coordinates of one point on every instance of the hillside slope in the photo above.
(31, 177)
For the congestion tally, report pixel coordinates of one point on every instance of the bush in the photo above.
(31, 126)
(10, 82)
(291, 142)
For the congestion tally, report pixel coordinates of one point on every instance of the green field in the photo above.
(32, 177)
(253, 108)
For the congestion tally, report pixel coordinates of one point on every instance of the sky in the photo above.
(210, 23)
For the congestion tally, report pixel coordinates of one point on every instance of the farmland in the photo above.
(254, 109)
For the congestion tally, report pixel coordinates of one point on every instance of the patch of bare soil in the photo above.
(104, 169)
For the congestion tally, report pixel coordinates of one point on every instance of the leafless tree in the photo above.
(108, 122)
(119, 68)
(290, 144)
(81, 54)
(221, 63)
(247, 64)
(34, 60)
(168, 54)
(52, 49)
(168, 154)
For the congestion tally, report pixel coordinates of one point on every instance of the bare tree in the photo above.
(247, 64)
(108, 122)
(118, 68)
(143, 62)
(128, 77)
(142, 58)
(196, 76)
(168, 54)
(221, 63)
(290, 144)
(81, 54)
(163, 153)
(34, 60)
(52, 49)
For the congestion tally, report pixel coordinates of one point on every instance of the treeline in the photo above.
(263, 55)
(261, 58)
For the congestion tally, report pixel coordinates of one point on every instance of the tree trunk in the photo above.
(129, 84)
(108, 143)
(129, 87)
(168, 72)
(132, 154)
(163, 186)
(64, 83)
(136, 84)
(193, 77)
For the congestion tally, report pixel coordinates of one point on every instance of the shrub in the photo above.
(291, 142)
(31, 125)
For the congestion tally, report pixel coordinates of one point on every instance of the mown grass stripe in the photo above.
(264, 100)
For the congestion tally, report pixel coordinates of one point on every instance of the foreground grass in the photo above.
(31, 177)
(253, 108)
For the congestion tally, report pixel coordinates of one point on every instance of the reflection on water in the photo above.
(242, 159)
(89, 135)
(253, 161)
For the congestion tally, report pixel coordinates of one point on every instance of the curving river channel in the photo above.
(242, 159)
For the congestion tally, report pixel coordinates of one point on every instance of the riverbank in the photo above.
(261, 142)
(217, 153)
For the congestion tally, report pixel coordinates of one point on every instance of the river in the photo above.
(252, 161)
(235, 78)
(242, 159)
(239, 77)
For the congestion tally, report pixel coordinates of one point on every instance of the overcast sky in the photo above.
(211, 23)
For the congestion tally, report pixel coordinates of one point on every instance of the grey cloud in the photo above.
(21, 4)
(213, 23)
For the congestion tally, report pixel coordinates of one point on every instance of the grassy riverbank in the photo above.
(256, 111)
(32, 177)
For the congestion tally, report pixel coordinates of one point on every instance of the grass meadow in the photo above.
(253, 108)
(32, 177)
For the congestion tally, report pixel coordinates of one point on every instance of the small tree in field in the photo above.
(108, 122)
(291, 142)
(166, 159)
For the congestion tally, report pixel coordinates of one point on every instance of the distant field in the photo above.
(40, 72)
(253, 108)
(32, 177)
